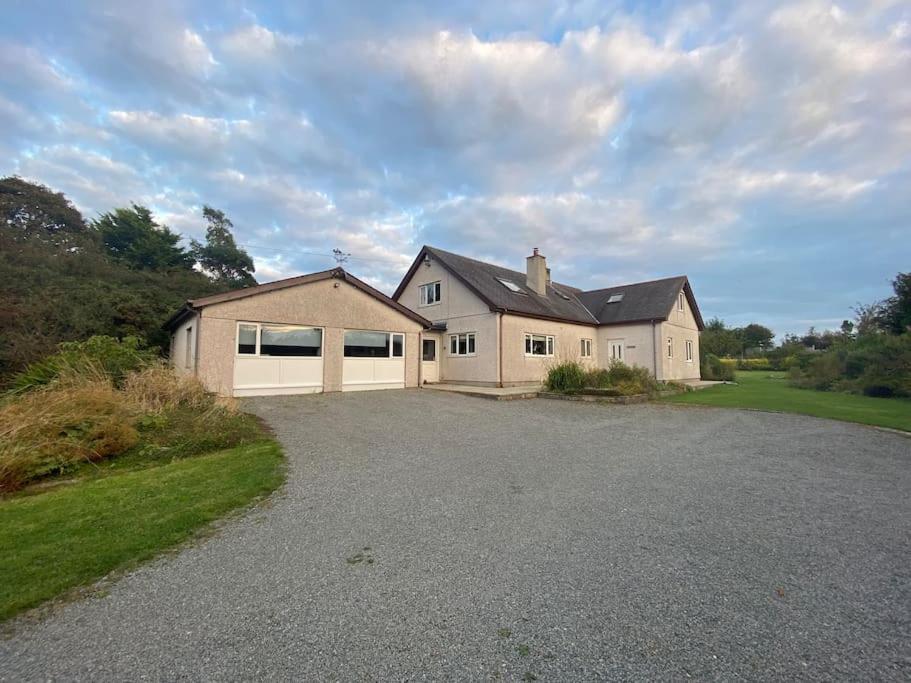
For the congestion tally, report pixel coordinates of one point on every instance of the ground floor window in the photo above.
(586, 348)
(262, 339)
(670, 347)
(368, 344)
(539, 345)
(689, 350)
(429, 350)
(462, 344)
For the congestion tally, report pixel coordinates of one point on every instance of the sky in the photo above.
(763, 149)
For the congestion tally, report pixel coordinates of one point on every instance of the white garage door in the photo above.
(278, 359)
(373, 360)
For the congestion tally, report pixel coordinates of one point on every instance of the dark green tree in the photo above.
(894, 314)
(31, 211)
(756, 336)
(718, 340)
(220, 256)
(133, 237)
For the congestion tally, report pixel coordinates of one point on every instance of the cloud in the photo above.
(759, 147)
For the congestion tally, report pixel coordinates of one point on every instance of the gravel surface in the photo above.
(424, 535)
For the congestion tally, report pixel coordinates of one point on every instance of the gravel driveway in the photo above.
(427, 535)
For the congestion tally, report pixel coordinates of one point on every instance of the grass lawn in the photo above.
(770, 391)
(57, 539)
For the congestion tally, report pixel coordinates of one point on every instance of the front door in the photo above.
(430, 360)
(616, 349)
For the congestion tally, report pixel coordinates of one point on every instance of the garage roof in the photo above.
(337, 273)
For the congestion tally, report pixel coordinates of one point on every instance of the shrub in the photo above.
(631, 379)
(105, 355)
(566, 377)
(754, 364)
(823, 373)
(714, 368)
(597, 378)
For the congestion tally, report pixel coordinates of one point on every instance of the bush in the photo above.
(754, 364)
(566, 377)
(621, 379)
(79, 418)
(715, 369)
(110, 357)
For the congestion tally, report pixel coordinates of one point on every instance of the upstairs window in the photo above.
(586, 348)
(680, 305)
(430, 294)
(510, 285)
(462, 344)
(615, 298)
(539, 345)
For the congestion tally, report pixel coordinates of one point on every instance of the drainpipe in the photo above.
(655, 347)
(420, 359)
(500, 347)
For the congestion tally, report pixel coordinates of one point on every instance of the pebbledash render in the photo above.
(452, 319)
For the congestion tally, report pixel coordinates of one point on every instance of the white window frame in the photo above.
(670, 347)
(473, 336)
(586, 348)
(259, 327)
(680, 305)
(188, 351)
(425, 290)
(689, 350)
(549, 345)
(391, 336)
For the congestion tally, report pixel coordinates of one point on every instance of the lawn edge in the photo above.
(99, 587)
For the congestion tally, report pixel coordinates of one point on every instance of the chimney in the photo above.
(536, 275)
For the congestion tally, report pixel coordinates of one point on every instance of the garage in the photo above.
(321, 332)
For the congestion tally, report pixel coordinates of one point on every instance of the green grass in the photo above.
(771, 391)
(69, 536)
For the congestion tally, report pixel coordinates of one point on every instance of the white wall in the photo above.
(680, 326)
(638, 345)
(181, 361)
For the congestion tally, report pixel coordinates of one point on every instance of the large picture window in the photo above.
(539, 345)
(430, 294)
(462, 344)
(261, 339)
(367, 344)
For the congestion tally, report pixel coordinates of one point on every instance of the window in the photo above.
(539, 345)
(429, 350)
(689, 350)
(510, 285)
(679, 301)
(616, 299)
(366, 344)
(188, 352)
(586, 348)
(258, 339)
(246, 339)
(670, 346)
(462, 344)
(430, 294)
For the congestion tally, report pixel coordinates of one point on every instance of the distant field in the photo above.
(770, 391)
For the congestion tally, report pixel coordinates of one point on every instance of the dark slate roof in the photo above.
(641, 301)
(481, 278)
(339, 273)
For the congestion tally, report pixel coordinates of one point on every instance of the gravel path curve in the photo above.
(423, 535)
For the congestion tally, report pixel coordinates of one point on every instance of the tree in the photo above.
(133, 237)
(718, 340)
(757, 336)
(220, 256)
(34, 211)
(894, 315)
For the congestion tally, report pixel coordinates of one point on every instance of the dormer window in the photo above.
(510, 285)
(430, 294)
(616, 299)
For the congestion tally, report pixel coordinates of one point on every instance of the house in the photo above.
(326, 331)
(452, 319)
(500, 327)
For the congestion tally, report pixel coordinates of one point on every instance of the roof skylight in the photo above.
(509, 284)
(615, 299)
